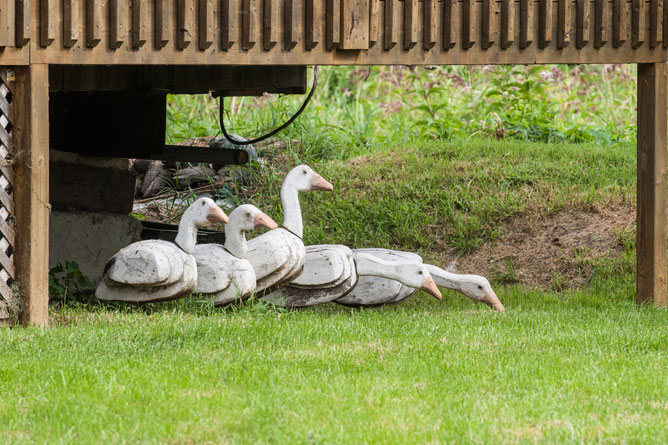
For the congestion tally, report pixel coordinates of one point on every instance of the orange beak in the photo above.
(430, 287)
(491, 300)
(216, 215)
(319, 183)
(262, 220)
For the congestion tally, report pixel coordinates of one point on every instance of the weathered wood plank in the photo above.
(205, 20)
(31, 192)
(389, 38)
(582, 24)
(354, 17)
(544, 23)
(93, 22)
(601, 23)
(507, 35)
(374, 22)
(563, 23)
(70, 25)
(430, 24)
(449, 24)
(651, 210)
(184, 23)
(410, 24)
(270, 24)
(228, 23)
(139, 23)
(47, 22)
(7, 22)
(248, 20)
(468, 38)
(312, 24)
(664, 23)
(22, 25)
(618, 23)
(116, 24)
(488, 34)
(526, 23)
(290, 29)
(638, 23)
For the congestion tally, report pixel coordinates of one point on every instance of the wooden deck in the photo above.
(176, 45)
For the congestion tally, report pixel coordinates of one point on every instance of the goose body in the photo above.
(156, 270)
(333, 271)
(278, 256)
(223, 271)
(375, 291)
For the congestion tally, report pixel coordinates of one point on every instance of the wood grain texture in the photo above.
(312, 24)
(354, 16)
(450, 14)
(205, 24)
(270, 24)
(31, 135)
(544, 23)
(563, 23)
(430, 24)
(94, 22)
(248, 21)
(116, 24)
(389, 26)
(583, 19)
(488, 35)
(290, 30)
(7, 22)
(228, 23)
(184, 23)
(374, 22)
(507, 34)
(468, 37)
(526, 23)
(654, 34)
(618, 23)
(410, 23)
(638, 23)
(652, 159)
(601, 23)
(22, 25)
(47, 22)
(664, 28)
(140, 23)
(70, 25)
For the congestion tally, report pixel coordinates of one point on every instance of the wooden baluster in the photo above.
(389, 40)
(374, 22)
(430, 26)
(184, 23)
(582, 25)
(93, 23)
(205, 24)
(70, 28)
(563, 23)
(637, 23)
(655, 23)
(664, 26)
(544, 23)
(600, 23)
(290, 33)
(270, 24)
(449, 21)
(139, 23)
(507, 36)
(488, 24)
(228, 23)
(467, 23)
(7, 32)
(116, 23)
(312, 24)
(22, 25)
(618, 23)
(47, 22)
(248, 31)
(410, 23)
(526, 23)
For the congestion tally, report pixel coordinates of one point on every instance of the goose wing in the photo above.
(146, 263)
(325, 265)
(213, 268)
(269, 252)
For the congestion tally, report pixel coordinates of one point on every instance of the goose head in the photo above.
(478, 288)
(303, 179)
(416, 275)
(204, 212)
(248, 217)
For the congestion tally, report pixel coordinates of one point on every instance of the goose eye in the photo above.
(420, 273)
(480, 287)
(203, 203)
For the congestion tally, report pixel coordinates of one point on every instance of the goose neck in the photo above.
(292, 213)
(235, 241)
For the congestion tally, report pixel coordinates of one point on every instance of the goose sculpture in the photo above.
(331, 272)
(224, 271)
(278, 256)
(157, 270)
(377, 290)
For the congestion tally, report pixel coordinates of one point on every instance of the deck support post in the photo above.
(31, 137)
(652, 158)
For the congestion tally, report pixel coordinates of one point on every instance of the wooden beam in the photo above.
(70, 24)
(139, 23)
(31, 135)
(652, 159)
(22, 22)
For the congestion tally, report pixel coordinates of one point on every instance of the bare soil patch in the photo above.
(551, 252)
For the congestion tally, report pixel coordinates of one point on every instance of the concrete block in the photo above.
(89, 239)
(93, 184)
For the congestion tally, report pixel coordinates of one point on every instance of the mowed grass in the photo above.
(575, 366)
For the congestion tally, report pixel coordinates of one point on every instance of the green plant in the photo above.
(68, 284)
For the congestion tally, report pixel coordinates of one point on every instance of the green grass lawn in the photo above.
(571, 366)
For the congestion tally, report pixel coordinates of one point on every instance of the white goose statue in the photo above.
(224, 271)
(331, 272)
(377, 290)
(156, 270)
(278, 256)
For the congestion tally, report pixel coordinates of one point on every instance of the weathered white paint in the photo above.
(156, 270)
(223, 271)
(278, 256)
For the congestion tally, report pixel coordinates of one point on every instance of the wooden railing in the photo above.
(308, 32)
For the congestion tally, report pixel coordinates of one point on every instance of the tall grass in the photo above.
(357, 110)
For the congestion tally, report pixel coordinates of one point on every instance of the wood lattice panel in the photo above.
(7, 236)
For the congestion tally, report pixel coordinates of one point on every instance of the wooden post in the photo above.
(31, 136)
(652, 158)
